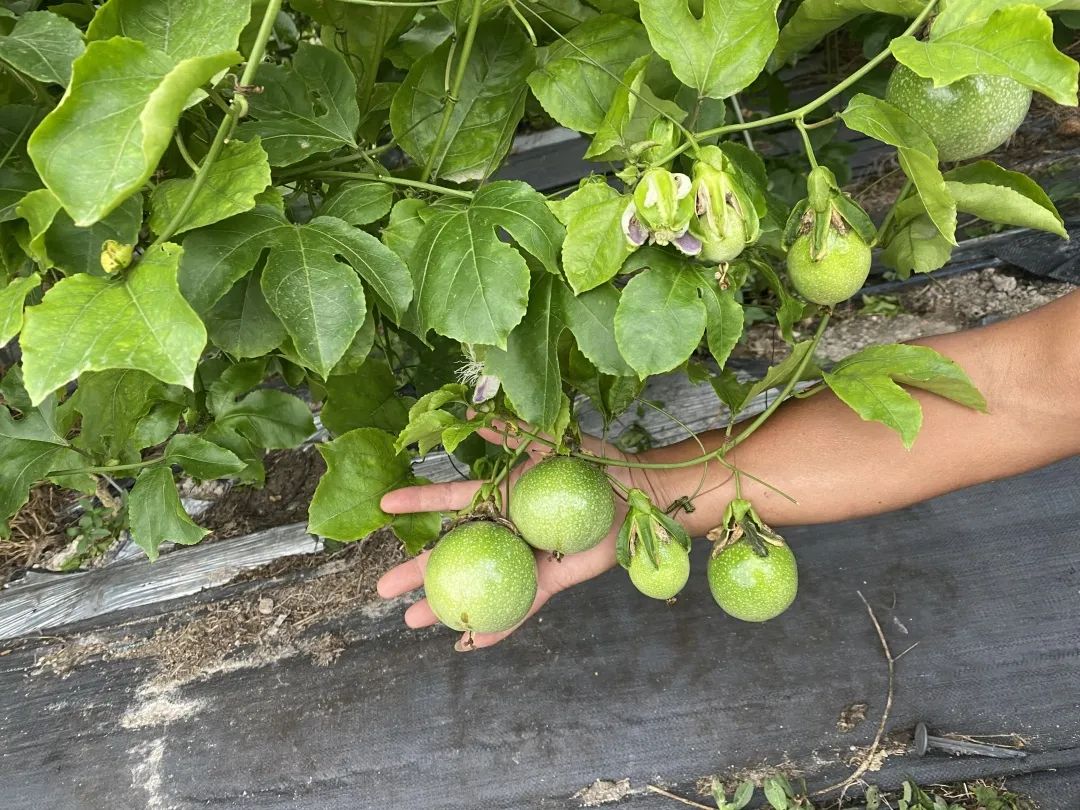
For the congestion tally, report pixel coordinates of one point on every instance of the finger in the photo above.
(408, 576)
(430, 498)
(420, 615)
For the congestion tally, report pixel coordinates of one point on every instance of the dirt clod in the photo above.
(603, 791)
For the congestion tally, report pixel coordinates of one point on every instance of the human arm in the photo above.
(835, 465)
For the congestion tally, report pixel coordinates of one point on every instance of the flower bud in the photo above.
(663, 205)
(725, 221)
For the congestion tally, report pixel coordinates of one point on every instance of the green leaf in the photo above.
(661, 316)
(813, 19)
(490, 103)
(868, 382)
(202, 459)
(230, 186)
(386, 275)
(11, 305)
(156, 514)
(17, 121)
(368, 398)
(779, 374)
(418, 529)
(722, 52)
(579, 76)
(916, 244)
(529, 367)
(78, 250)
(427, 420)
(1016, 42)
(305, 108)
(87, 323)
(242, 323)
(37, 424)
(217, 257)
(997, 195)
(595, 246)
(590, 317)
(359, 202)
(723, 317)
(270, 419)
(104, 139)
(469, 284)
(318, 299)
(15, 184)
(111, 404)
(181, 30)
(916, 152)
(361, 467)
(634, 107)
(43, 45)
(24, 463)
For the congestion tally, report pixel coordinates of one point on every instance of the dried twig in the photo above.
(872, 751)
(687, 802)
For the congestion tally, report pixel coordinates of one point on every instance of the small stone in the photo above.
(266, 606)
(1003, 283)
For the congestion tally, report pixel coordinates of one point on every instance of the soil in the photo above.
(37, 531)
(941, 306)
(249, 630)
(291, 477)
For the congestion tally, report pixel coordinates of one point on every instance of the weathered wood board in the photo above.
(608, 685)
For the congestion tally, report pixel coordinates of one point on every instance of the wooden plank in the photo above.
(608, 685)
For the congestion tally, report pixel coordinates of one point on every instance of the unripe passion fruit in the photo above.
(751, 587)
(563, 505)
(481, 577)
(665, 579)
(965, 119)
(837, 275)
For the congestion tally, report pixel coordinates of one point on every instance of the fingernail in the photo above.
(465, 644)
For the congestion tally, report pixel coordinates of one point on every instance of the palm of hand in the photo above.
(552, 575)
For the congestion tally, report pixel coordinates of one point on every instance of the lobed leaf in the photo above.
(156, 514)
(180, 30)
(719, 53)
(814, 19)
(140, 321)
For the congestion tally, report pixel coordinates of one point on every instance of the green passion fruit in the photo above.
(563, 505)
(752, 587)
(664, 578)
(965, 119)
(837, 275)
(481, 577)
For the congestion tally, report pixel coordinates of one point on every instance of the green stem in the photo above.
(812, 105)
(397, 181)
(785, 391)
(353, 157)
(237, 107)
(824, 122)
(138, 465)
(889, 217)
(452, 96)
(806, 142)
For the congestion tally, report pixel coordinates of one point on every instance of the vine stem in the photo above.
(809, 147)
(137, 465)
(396, 181)
(813, 104)
(889, 217)
(455, 88)
(237, 107)
(332, 163)
(719, 453)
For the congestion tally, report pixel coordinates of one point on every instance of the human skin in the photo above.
(832, 463)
